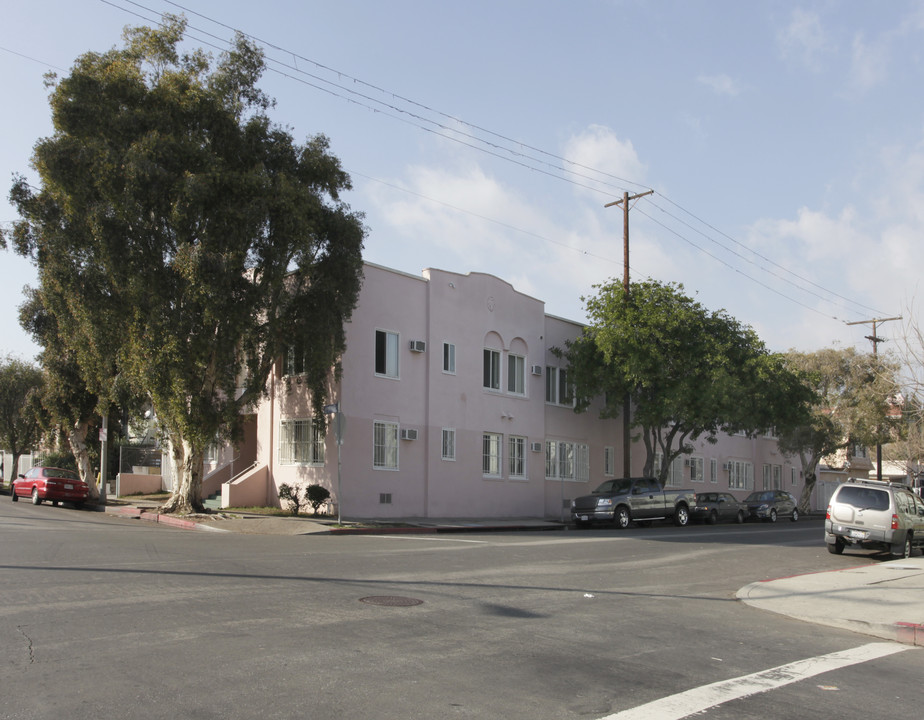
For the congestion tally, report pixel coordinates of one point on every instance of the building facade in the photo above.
(453, 404)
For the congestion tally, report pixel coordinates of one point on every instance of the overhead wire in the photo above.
(395, 111)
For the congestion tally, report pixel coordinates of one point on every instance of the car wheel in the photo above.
(740, 517)
(621, 518)
(795, 515)
(681, 516)
(36, 500)
(713, 518)
(903, 551)
(837, 547)
(772, 517)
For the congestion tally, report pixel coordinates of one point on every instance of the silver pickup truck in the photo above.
(625, 500)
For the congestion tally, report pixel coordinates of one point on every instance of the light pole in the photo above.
(338, 433)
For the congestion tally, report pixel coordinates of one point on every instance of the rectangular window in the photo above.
(551, 459)
(384, 445)
(492, 369)
(713, 470)
(777, 477)
(658, 462)
(516, 374)
(293, 361)
(740, 475)
(449, 444)
(558, 390)
(766, 470)
(491, 454)
(386, 353)
(300, 443)
(696, 470)
(675, 474)
(581, 462)
(792, 473)
(566, 461)
(449, 358)
(609, 461)
(516, 456)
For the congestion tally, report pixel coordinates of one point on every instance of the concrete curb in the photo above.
(142, 514)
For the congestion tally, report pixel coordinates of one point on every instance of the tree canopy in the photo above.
(183, 240)
(689, 372)
(20, 427)
(853, 393)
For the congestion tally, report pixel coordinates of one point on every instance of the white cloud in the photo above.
(599, 147)
(720, 84)
(869, 63)
(805, 39)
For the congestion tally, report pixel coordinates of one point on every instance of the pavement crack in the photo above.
(30, 643)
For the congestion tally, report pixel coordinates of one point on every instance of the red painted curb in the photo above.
(910, 633)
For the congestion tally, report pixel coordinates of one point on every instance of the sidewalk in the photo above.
(885, 600)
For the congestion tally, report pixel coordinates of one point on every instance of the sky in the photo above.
(784, 142)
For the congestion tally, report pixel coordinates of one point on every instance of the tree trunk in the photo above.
(808, 466)
(77, 439)
(187, 487)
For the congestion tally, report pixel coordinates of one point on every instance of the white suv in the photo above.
(875, 515)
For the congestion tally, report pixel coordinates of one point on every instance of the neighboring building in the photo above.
(454, 405)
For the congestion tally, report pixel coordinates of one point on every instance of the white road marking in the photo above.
(430, 538)
(702, 698)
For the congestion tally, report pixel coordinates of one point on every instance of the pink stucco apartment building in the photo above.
(453, 405)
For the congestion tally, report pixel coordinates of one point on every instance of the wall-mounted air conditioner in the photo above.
(536, 446)
(408, 434)
(537, 369)
(418, 346)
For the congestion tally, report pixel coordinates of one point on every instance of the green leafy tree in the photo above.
(201, 238)
(20, 409)
(689, 373)
(854, 394)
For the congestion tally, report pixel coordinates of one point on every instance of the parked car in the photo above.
(49, 483)
(626, 500)
(770, 504)
(875, 515)
(713, 507)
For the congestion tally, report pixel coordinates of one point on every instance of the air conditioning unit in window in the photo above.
(418, 346)
(537, 369)
(536, 446)
(408, 434)
(686, 462)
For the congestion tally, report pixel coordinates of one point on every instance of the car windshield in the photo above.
(58, 473)
(619, 486)
(864, 498)
(760, 497)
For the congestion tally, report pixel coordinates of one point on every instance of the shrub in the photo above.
(289, 493)
(316, 496)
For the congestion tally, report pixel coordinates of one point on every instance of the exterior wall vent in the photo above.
(384, 498)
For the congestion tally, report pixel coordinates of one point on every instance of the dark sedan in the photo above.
(770, 504)
(713, 507)
(49, 483)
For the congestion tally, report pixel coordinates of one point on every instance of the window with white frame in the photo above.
(696, 470)
(294, 360)
(675, 474)
(491, 454)
(558, 389)
(740, 475)
(516, 374)
(516, 456)
(449, 358)
(792, 475)
(713, 470)
(773, 477)
(567, 461)
(386, 353)
(384, 445)
(609, 461)
(492, 369)
(301, 442)
(449, 444)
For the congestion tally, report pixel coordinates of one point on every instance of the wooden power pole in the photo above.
(626, 403)
(875, 340)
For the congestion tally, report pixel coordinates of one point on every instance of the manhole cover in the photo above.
(391, 601)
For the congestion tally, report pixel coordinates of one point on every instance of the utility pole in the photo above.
(626, 404)
(875, 340)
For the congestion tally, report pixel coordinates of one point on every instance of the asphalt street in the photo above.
(102, 616)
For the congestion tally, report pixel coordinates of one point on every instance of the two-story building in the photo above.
(452, 404)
